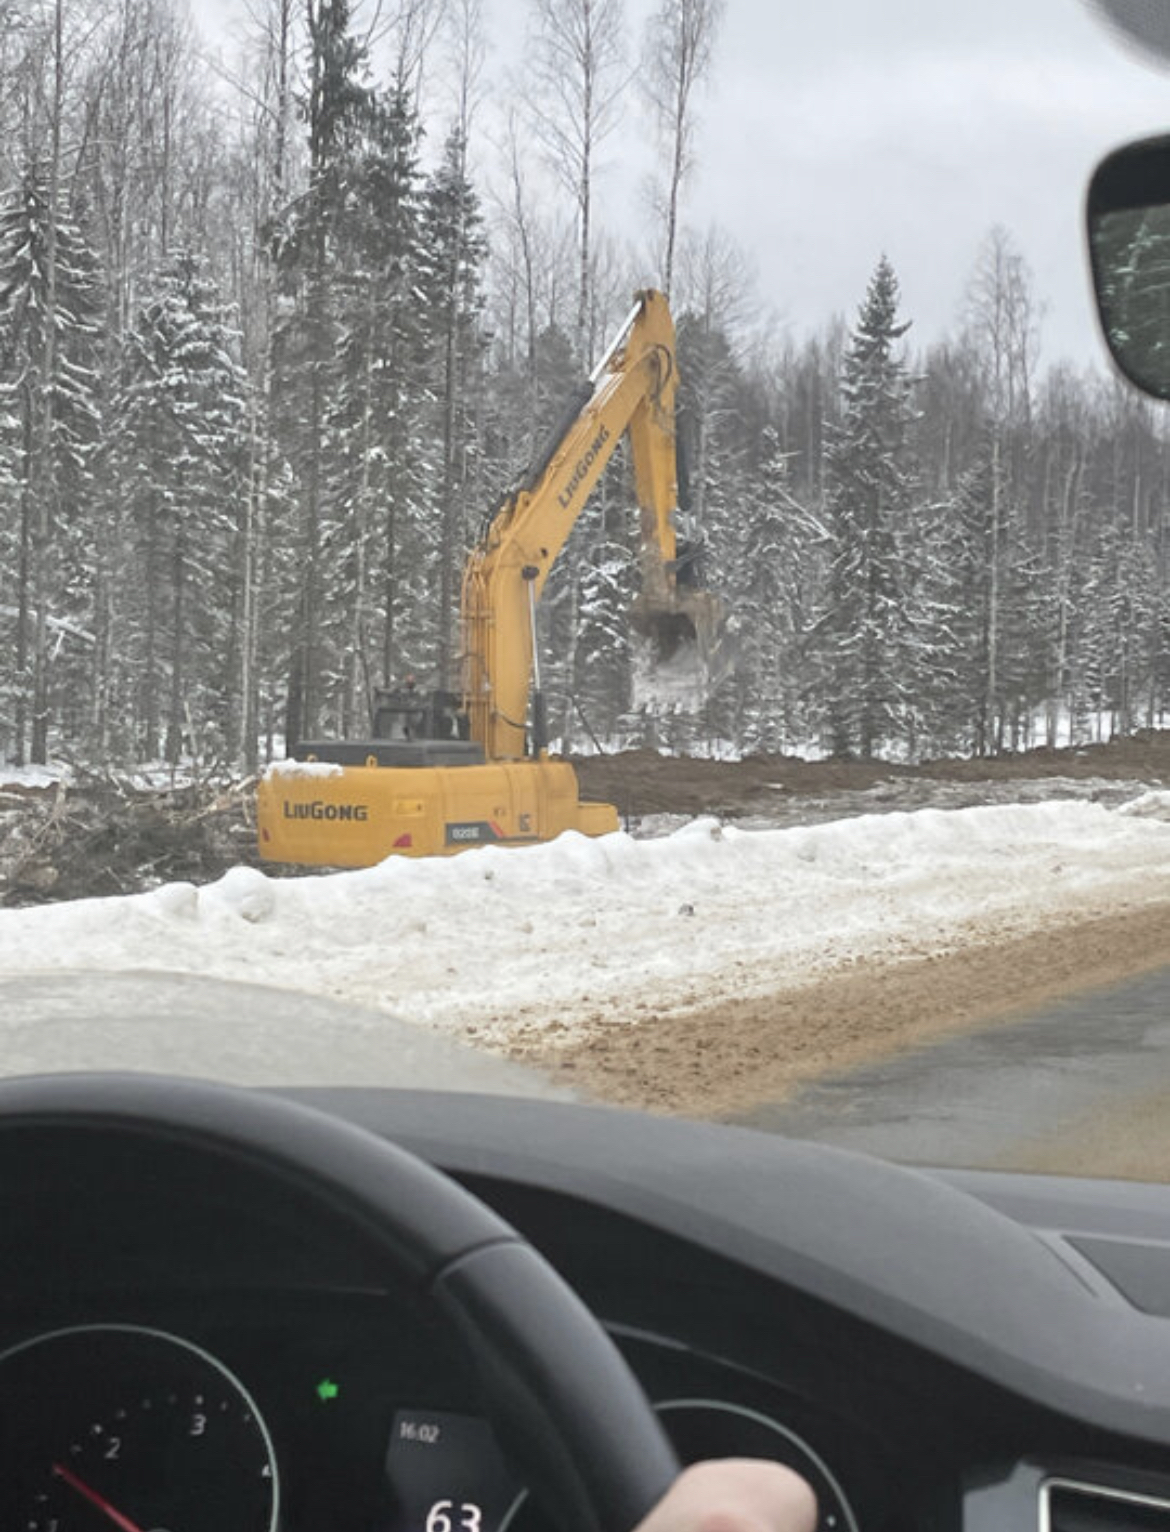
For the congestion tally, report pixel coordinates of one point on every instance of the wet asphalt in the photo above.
(965, 1100)
(971, 1099)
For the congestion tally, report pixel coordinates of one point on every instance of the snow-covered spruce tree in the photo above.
(978, 611)
(712, 484)
(862, 635)
(49, 300)
(456, 249)
(1128, 577)
(606, 587)
(1126, 480)
(960, 598)
(180, 451)
(556, 374)
(379, 469)
(950, 441)
(780, 575)
(309, 241)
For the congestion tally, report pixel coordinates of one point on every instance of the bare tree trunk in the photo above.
(150, 680)
(584, 251)
(175, 712)
(469, 61)
(356, 685)
(257, 565)
(46, 475)
(24, 586)
(578, 71)
(992, 723)
(302, 719)
(522, 226)
(447, 553)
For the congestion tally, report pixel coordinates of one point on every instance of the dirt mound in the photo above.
(643, 782)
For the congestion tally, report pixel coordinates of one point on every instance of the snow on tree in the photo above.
(378, 455)
(181, 455)
(968, 574)
(454, 241)
(309, 238)
(862, 634)
(49, 299)
(780, 576)
(606, 589)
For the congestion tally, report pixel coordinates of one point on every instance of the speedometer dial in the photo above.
(713, 1428)
(113, 1426)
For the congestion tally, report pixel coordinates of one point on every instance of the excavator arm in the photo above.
(632, 390)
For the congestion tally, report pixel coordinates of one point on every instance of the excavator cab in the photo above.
(404, 713)
(410, 728)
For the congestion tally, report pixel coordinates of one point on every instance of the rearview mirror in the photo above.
(1129, 249)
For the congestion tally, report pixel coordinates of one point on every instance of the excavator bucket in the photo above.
(678, 618)
(686, 650)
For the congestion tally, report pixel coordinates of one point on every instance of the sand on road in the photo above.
(722, 1060)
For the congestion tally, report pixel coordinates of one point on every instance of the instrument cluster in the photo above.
(338, 1427)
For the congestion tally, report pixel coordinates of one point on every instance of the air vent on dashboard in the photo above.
(1067, 1506)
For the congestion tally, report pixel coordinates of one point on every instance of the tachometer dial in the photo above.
(710, 1428)
(115, 1427)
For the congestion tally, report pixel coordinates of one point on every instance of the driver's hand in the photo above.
(735, 1495)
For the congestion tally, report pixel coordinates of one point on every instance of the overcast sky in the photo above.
(912, 126)
(835, 129)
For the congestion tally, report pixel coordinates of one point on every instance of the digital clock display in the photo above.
(447, 1474)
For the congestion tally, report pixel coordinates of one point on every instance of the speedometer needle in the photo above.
(103, 1505)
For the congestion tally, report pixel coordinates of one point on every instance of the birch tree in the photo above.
(676, 60)
(577, 60)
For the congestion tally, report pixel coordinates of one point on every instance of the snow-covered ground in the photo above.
(609, 929)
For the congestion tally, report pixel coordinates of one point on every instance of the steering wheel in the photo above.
(556, 1389)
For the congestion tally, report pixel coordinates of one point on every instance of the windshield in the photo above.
(421, 667)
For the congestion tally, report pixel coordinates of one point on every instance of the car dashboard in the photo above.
(961, 1351)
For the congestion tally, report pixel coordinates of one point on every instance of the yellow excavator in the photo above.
(443, 772)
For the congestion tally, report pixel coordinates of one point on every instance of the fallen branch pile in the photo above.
(101, 834)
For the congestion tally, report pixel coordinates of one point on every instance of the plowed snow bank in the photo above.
(580, 932)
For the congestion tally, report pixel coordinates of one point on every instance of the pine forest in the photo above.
(279, 322)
